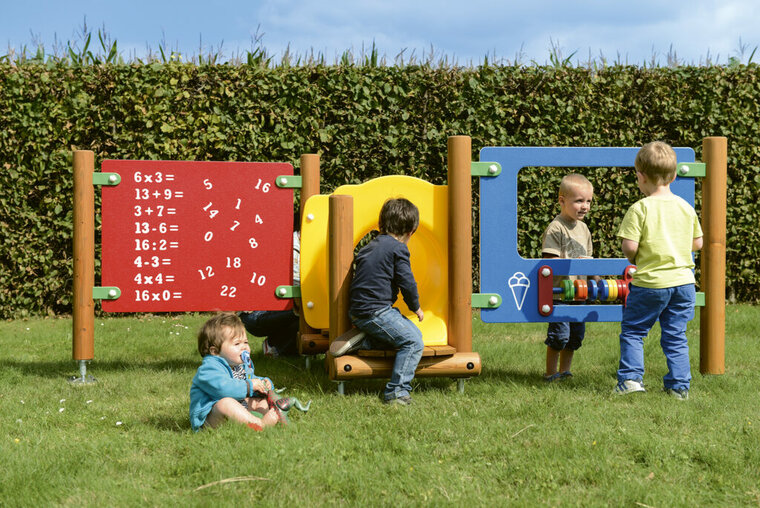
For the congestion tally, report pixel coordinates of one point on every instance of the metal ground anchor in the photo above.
(83, 378)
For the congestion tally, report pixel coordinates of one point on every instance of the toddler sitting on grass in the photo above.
(224, 387)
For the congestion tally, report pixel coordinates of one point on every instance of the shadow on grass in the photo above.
(291, 372)
(172, 423)
(70, 367)
(511, 376)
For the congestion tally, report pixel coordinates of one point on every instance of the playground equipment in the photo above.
(579, 290)
(180, 236)
(441, 254)
(527, 283)
(441, 261)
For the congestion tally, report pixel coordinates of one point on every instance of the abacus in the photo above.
(580, 290)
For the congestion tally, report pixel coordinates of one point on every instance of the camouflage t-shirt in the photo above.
(567, 240)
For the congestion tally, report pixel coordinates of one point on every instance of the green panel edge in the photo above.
(288, 292)
(485, 300)
(289, 182)
(105, 293)
(106, 179)
(700, 301)
(485, 169)
(692, 169)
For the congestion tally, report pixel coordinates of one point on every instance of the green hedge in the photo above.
(365, 122)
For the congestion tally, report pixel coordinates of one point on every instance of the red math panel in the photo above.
(196, 236)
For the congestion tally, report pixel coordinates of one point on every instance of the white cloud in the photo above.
(464, 30)
(470, 30)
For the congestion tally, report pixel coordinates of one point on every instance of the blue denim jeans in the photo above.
(562, 335)
(389, 329)
(674, 307)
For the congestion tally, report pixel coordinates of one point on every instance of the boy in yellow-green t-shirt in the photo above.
(659, 234)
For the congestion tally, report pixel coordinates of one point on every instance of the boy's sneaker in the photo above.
(404, 400)
(346, 343)
(269, 350)
(629, 386)
(678, 393)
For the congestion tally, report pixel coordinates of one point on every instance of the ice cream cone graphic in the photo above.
(519, 285)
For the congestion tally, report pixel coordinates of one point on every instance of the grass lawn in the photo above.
(510, 439)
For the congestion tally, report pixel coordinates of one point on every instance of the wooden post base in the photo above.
(313, 343)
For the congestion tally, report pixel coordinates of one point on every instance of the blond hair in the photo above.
(657, 160)
(216, 330)
(571, 182)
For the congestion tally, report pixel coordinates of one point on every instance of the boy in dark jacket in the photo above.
(381, 269)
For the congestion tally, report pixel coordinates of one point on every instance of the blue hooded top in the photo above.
(214, 381)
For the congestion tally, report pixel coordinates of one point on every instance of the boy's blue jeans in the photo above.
(388, 328)
(674, 307)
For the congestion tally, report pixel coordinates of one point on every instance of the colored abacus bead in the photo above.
(581, 289)
(593, 290)
(613, 290)
(584, 286)
(604, 290)
(625, 291)
(569, 290)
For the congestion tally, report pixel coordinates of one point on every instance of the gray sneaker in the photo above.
(346, 343)
(629, 386)
(404, 400)
(678, 393)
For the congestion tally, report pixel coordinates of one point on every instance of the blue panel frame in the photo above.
(504, 271)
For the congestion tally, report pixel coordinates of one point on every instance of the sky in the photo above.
(462, 33)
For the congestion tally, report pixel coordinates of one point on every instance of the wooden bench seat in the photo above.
(390, 353)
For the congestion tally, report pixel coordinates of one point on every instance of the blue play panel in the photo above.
(505, 272)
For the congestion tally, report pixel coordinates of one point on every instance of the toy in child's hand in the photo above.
(281, 405)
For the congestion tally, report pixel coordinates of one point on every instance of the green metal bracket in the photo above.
(288, 292)
(485, 169)
(700, 302)
(692, 169)
(485, 300)
(106, 178)
(289, 182)
(105, 293)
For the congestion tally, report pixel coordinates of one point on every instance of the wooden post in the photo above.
(341, 256)
(309, 187)
(83, 336)
(460, 243)
(309, 177)
(712, 326)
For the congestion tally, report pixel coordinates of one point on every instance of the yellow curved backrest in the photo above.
(428, 248)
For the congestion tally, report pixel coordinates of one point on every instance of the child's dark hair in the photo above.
(399, 217)
(216, 330)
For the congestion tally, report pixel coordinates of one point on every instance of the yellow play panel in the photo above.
(428, 247)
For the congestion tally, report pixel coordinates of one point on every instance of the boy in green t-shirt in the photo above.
(659, 234)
